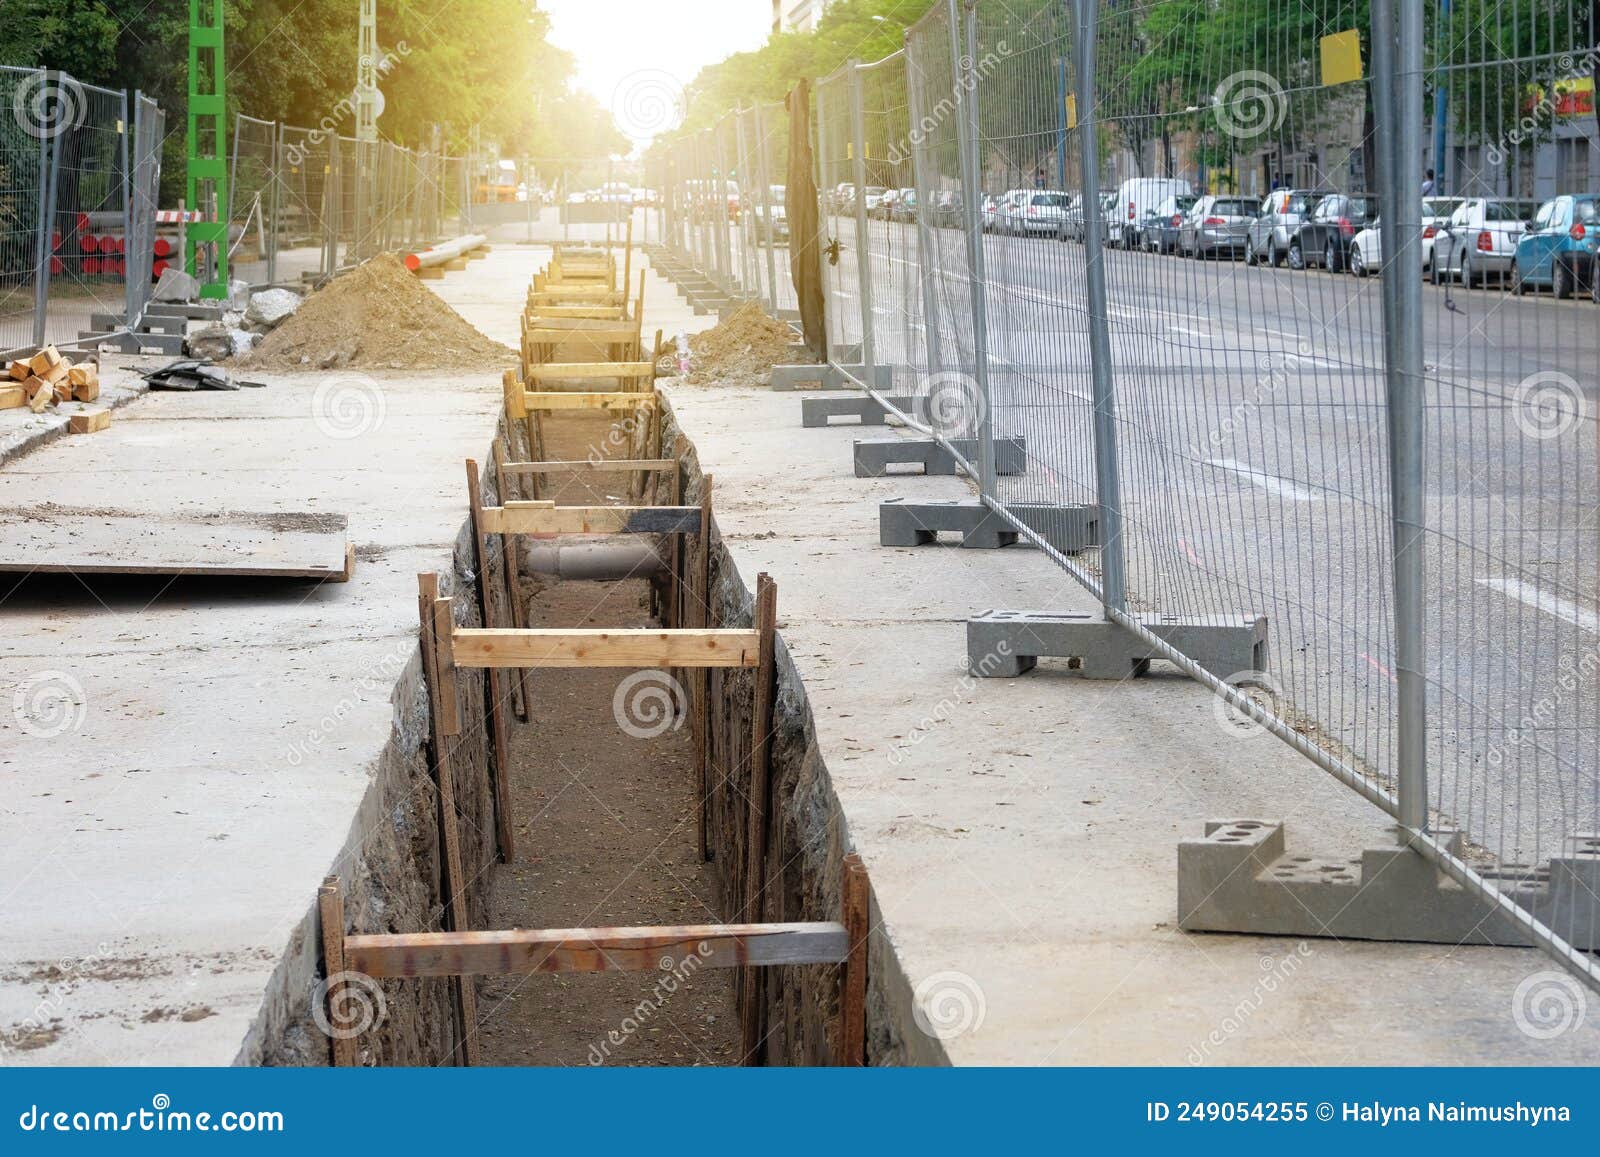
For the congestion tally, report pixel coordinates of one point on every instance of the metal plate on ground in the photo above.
(54, 539)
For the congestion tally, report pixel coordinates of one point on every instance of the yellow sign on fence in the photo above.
(1341, 57)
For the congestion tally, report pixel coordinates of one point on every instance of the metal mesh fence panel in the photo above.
(89, 165)
(149, 134)
(837, 187)
(305, 205)
(250, 187)
(24, 175)
(769, 128)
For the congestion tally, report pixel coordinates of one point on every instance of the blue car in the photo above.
(1558, 249)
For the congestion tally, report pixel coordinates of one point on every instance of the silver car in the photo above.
(1278, 223)
(1216, 226)
(1480, 239)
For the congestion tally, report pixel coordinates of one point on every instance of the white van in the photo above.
(1138, 204)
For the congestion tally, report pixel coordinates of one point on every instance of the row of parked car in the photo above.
(1522, 245)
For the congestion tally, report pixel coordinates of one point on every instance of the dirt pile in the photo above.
(741, 351)
(378, 316)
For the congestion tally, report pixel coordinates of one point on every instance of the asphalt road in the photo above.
(1253, 442)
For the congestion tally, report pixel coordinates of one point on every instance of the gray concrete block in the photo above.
(834, 376)
(873, 458)
(818, 412)
(1005, 644)
(1241, 877)
(1068, 529)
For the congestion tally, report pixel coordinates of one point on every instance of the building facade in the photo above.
(797, 15)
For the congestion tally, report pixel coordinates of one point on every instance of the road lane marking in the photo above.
(1271, 483)
(1532, 596)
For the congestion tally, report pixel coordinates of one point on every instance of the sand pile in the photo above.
(378, 316)
(742, 350)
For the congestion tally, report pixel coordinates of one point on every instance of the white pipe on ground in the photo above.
(446, 251)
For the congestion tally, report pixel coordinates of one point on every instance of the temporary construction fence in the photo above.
(723, 204)
(1125, 265)
(79, 167)
(307, 203)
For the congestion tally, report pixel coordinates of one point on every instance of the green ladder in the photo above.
(207, 186)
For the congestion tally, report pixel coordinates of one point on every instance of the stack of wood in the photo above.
(49, 379)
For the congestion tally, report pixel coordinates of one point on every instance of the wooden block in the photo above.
(21, 371)
(88, 392)
(12, 396)
(605, 648)
(594, 949)
(57, 374)
(45, 360)
(40, 394)
(89, 421)
(86, 374)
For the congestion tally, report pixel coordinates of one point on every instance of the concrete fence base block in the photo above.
(1006, 644)
(835, 376)
(1068, 529)
(818, 412)
(1242, 878)
(873, 458)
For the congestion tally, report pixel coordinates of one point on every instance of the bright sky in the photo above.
(635, 56)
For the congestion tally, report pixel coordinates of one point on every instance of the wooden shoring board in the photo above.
(596, 466)
(498, 694)
(581, 371)
(289, 545)
(548, 401)
(699, 617)
(605, 647)
(538, 315)
(455, 881)
(641, 949)
(515, 596)
(538, 518)
(330, 916)
(758, 792)
(853, 984)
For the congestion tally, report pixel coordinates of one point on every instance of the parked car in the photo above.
(843, 198)
(1008, 210)
(1283, 211)
(904, 208)
(1216, 226)
(1324, 237)
(1031, 211)
(1435, 216)
(777, 228)
(873, 198)
(947, 209)
(1137, 201)
(1480, 240)
(1160, 235)
(1558, 250)
(989, 212)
